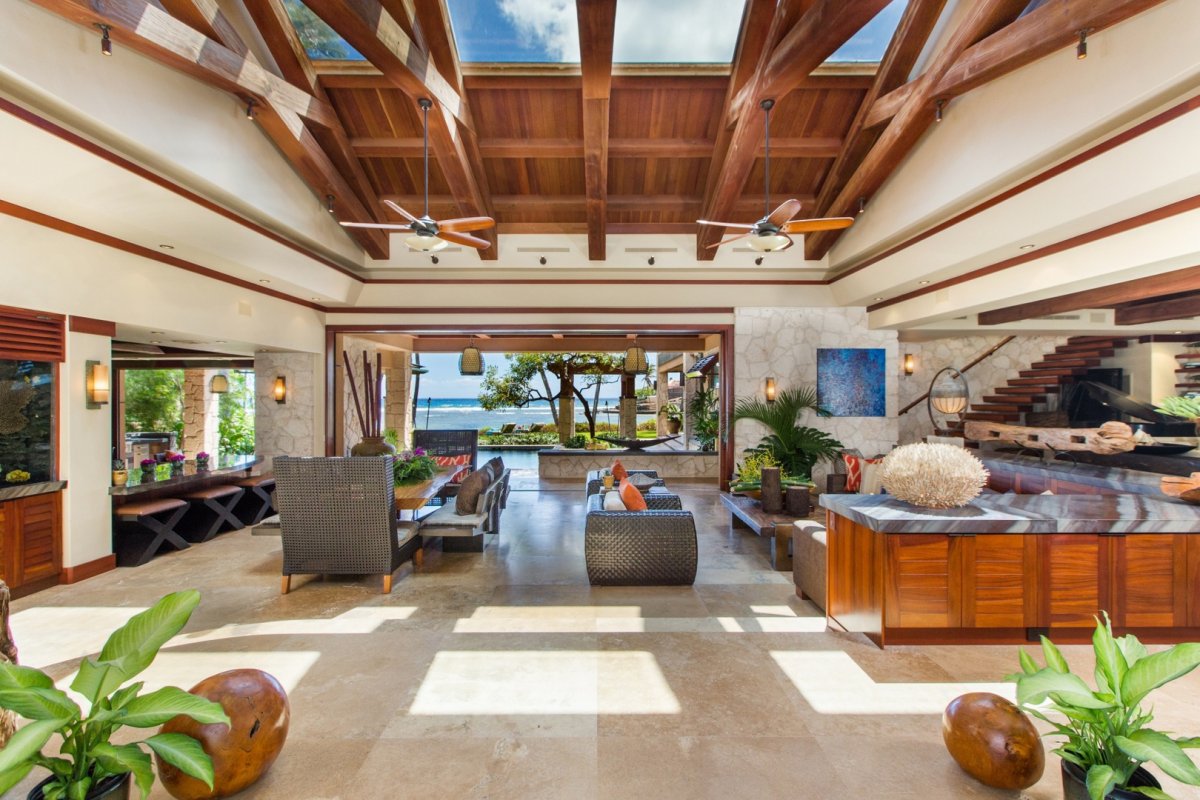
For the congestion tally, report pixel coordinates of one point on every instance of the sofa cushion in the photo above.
(472, 488)
(612, 502)
(642, 481)
(631, 497)
(618, 470)
(460, 460)
(446, 516)
(497, 467)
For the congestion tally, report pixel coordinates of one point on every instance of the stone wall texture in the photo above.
(201, 413)
(782, 343)
(285, 429)
(983, 378)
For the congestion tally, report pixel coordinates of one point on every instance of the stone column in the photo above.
(397, 403)
(292, 428)
(627, 428)
(661, 396)
(201, 413)
(566, 417)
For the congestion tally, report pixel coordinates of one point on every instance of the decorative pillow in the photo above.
(612, 502)
(455, 461)
(473, 486)
(619, 472)
(631, 497)
(497, 467)
(487, 469)
(641, 481)
(872, 476)
(854, 470)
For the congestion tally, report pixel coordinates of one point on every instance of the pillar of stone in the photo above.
(397, 403)
(689, 391)
(627, 427)
(661, 395)
(566, 416)
(201, 413)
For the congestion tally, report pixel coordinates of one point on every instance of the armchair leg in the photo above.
(286, 584)
(387, 584)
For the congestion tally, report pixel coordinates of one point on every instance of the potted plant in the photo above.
(1107, 740)
(202, 459)
(674, 418)
(706, 421)
(176, 461)
(89, 765)
(1183, 407)
(413, 466)
(797, 448)
(120, 475)
(748, 477)
(16, 476)
(148, 465)
(576, 442)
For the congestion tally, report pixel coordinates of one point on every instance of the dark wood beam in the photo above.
(980, 19)
(597, 21)
(823, 27)
(784, 147)
(920, 16)
(1167, 283)
(1168, 308)
(514, 204)
(499, 343)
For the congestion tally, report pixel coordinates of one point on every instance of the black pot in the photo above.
(1075, 784)
(114, 787)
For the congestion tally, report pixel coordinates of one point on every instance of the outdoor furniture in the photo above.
(639, 548)
(256, 502)
(595, 480)
(636, 444)
(463, 533)
(211, 508)
(808, 561)
(338, 517)
(144, 526)
(450, 443)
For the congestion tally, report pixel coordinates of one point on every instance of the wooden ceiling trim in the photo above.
(597, 22)
(1171, 308)
(916, 115)
(1167, 283)
(410, 147)
(916, 25)
(508, 204)
(542, 344)
(823, 27)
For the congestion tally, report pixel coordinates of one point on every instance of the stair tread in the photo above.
(1069, 354)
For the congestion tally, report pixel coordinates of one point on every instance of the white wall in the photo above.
(85, 454)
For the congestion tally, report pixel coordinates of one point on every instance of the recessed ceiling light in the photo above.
(923, 283)
(878, 298)
(315, 298)
(220, 341)
(1178, 332)
(263, 281)
(167, 246)
(1028, 246)
(154, 341)
(156, 333)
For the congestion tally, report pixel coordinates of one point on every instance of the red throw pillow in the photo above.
(455, 461)
(619, 472)
(631, 497)
(854, 470)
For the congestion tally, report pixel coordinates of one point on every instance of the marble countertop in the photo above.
(16, 490)
(1008, 513)
(1113, 477)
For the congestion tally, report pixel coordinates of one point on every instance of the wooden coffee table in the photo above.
(747, 513)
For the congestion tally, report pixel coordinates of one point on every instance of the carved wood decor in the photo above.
(1109, 438)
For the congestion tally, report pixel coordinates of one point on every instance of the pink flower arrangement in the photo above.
(147, 463)
(202, 456)
(176, 458)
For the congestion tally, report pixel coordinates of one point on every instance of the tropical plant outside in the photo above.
(1184, 407)
(235, 428)
(706, 421)
(86, 755)
(1104, 728)
(797, 448)
(154, 400)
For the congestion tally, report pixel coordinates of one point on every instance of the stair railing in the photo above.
(978, 360)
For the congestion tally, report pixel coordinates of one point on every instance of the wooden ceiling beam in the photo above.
(500, 343)
(979, 20)
(915, 27)
(410, 147)
(824, 26)
(1167, 283)
(1171, 308)
(597, 22)
(150, 30)
(524, 204)
(372, 31)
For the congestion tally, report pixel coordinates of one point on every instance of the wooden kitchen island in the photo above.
(1006, 568)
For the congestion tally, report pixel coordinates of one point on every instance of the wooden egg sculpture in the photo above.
(993, 741)
(241, 753)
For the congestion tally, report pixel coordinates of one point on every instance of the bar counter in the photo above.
(189, 481)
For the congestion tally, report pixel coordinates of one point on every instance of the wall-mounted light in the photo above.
(96, 383)
(250, 109)
(909, 364)
(862, 205)
(329, 203)
(1081, 48)
(219, 384)
(105, 41)
(279, 390)
(937, 114)
(769, 390)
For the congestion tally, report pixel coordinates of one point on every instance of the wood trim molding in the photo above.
(592, 282)
(528, 310)
(81, 572)
(98, 327)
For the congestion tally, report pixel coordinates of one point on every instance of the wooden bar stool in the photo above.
(142, 530)
(257, 502)
(213, 507)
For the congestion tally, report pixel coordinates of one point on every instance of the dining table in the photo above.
(413, 496)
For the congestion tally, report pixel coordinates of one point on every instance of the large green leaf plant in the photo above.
(86, 754)
(797, 448)
(1105, 728)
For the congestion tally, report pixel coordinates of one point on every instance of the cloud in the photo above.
(549, 24)
(677, 31)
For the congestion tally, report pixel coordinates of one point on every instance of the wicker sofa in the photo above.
(656, 547)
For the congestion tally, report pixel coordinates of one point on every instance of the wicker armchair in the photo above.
(449, 443)
(594, 480)
(337, 516)
(639, 548)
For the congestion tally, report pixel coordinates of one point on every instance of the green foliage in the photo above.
(392, 437)
(649, 426)
(706, 421)
(1185, 407)
(1105, 729)
(534, 377)
(235, 427)
(797, 447)
(86, 756)
(576, 442)
(672, 412)
(541, 437)
(154, 400)
(413, 466)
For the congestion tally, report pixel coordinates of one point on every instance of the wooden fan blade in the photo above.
(464, 238)
(822, 224)
(789, 209)
(467, 224)
(400, 211)
(380, 226)
(739, 226)
(728, 240)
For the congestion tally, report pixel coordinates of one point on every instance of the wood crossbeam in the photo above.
(786, 147)
(597, 21)
(1160, 310)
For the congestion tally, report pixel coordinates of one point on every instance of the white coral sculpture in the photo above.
(933, 475)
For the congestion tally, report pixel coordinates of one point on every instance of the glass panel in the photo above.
(319, 40)
(26, 422)
(870, 43)
(677, 31)
(515, 31)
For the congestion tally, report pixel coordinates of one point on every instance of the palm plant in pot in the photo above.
(1106, 738)
(89, 766)
(797, 448)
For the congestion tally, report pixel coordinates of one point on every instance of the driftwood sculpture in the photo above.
(1108, 439)
(8, 652)
(1186, 489)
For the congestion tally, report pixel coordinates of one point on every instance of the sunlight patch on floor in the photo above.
(354, 621)
(832, 683)
(774, 611)
(626, 619)
(772, 624)
(48, 635)
(538, 682)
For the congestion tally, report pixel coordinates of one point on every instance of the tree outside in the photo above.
(154, 402)
(236, 407)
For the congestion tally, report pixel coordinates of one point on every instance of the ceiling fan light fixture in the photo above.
(425, 243)
(768, 242)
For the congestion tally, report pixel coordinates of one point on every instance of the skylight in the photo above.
(676, 31)
(319, 40)
(871, 42)
(515, 31)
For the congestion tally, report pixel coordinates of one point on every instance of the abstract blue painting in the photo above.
(851, 381)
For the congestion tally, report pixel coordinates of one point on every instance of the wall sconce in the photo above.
(96, 383)
(909, 364)
(769, 390)
(279, 390)
(219, 384)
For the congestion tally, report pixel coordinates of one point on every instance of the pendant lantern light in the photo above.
(635, 360)
(471, 360)
(219, 384)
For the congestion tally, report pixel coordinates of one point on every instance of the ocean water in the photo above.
(465, 412)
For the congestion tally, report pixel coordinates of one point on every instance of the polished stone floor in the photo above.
(504, 675)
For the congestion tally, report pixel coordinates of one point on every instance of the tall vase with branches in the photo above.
(798, 448)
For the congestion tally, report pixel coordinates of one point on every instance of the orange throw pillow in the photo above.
(619, 472)
(631, 497)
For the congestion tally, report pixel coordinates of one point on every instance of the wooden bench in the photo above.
(463, 533)
(139, 521)
(213, 506)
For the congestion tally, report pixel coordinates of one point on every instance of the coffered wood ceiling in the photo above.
(592, 148)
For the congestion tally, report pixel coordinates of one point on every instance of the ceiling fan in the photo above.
(428, 234)
(770, 234)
